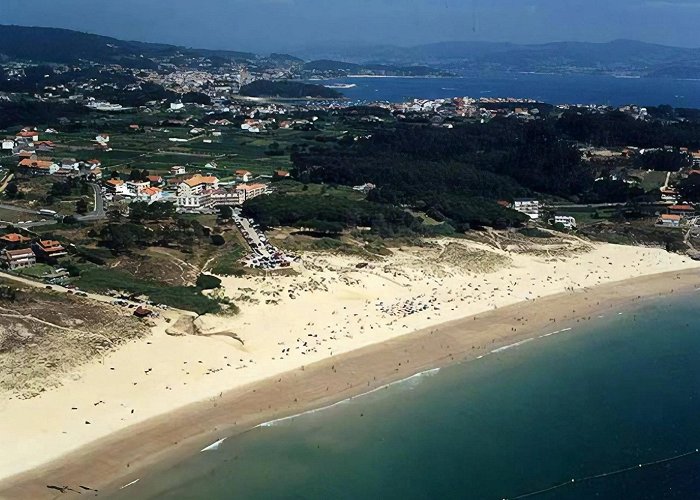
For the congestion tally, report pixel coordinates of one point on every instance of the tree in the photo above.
(225, 212)
(119, 237)
(73, 270)
(690, 188)
(8, 293)
(81, 206)
(218, 240)
(114, 215)
(11, 190)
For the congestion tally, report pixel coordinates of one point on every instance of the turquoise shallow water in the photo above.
(621, 391)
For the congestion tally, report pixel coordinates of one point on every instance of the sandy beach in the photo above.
(340, 327)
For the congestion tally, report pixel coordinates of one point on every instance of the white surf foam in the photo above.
(412, 378)
(214, 446)
(129, 484)
(510, 346)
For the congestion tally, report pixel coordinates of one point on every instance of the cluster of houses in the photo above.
(36, 160)
(190, 193)
(19, 251)
(676, 215)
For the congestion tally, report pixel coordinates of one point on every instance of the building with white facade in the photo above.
(527, 206)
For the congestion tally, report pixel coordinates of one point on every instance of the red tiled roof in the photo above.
(14, 238)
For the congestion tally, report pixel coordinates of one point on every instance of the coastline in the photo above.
(123, 457)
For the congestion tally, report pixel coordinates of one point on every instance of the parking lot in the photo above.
(264, 255)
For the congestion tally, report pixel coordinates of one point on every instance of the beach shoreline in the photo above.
(123, 457)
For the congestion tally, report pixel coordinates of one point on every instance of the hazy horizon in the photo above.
(288, 25)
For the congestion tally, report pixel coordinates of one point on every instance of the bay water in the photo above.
(549, 88)
(598, 400)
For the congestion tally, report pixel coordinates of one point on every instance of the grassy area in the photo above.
(294, 188)
(36, 272)
(182, 297)
(651, 180)
(228, 264)
(14, 217)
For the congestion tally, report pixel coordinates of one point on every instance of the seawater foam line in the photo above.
(129, 484)
(605, 474)
(385, 386)
(215, 445)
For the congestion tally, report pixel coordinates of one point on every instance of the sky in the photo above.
(284, 25)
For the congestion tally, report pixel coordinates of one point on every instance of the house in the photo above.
(44, 146)
(38, 167)
(8, 144)
(13, 239)
(565, 220)
(254, 126)
(682, 210)
(696, 158)
(669, 220)
(135, 187)
(49, 249)
(224, 197)
(18, 259)
(527, 206)
(155, 180)
(102, 139)
(176, 106)
(194, 192)
(249, 191)
(244, 175)
(669, 194)
(70, 164)
(282, 174)
(116, 186)
(150, 195)
(31, 135)
(178, 170)
(94, 174)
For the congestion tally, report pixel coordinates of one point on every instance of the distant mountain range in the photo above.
(621, 57)
(617, 57)
(54, 45)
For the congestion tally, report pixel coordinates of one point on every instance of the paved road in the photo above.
(253, 236)
(98, 212)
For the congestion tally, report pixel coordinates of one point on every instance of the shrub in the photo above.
(208, 282)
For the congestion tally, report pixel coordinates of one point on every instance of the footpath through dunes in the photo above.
(127, 455)
(333, 309)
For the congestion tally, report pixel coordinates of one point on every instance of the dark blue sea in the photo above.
(588, 405)
(549, 88)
